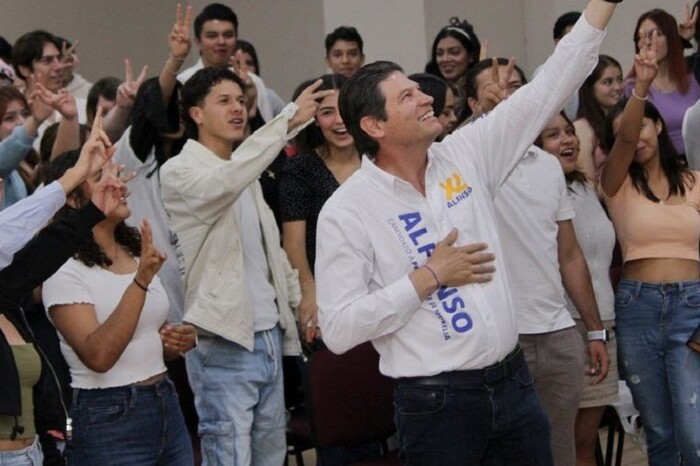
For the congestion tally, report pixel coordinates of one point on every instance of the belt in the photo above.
(488, 375)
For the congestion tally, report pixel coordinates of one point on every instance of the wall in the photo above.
(289, 33)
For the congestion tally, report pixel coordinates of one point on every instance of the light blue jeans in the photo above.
(239, 398)
(30, 456)
(654, 322)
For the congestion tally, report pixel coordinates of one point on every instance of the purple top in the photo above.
(672, 106)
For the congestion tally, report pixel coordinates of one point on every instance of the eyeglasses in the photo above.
(649, 35)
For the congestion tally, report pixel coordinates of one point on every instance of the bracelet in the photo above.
(144, 288)
(308, 282)
(432, 272)
(643, 99)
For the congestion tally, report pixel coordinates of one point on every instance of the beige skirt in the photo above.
(605, 392)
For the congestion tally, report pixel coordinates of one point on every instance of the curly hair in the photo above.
(89, 252)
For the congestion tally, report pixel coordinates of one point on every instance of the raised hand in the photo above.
(484, 52)
(36, 98)
(62, 101)
(645, 64)
(497, 90)
(308, 102)
(126, 92)
(460, 265)
(686, 28)
(110, 191)
(96, 151)
(151, 258)
(69, 60)
(251, 92)
(179, 39)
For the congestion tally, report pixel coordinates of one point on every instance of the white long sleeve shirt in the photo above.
(377, 228)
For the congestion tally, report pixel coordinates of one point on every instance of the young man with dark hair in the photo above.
(564, 24)
(240, 290)
(344, 51)
(216, 34)
(402, 261)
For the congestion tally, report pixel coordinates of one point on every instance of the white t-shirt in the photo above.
(76, 283)
(528, 206)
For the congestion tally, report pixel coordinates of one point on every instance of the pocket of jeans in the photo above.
(106, 413)
(524, 377)
(623, 298)
(692, 299)
(419, 401)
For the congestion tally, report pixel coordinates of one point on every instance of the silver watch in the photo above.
(598, 335)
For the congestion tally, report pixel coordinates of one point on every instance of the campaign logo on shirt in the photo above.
(456, 190)
(446, 303)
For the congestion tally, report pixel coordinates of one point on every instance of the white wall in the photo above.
(289, 33)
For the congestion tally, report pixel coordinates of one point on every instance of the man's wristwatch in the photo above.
(598, 335)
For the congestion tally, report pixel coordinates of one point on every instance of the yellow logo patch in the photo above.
(453, 185)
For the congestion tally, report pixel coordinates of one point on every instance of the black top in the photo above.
(305, 185)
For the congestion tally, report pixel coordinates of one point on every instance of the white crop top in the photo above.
(76, 283)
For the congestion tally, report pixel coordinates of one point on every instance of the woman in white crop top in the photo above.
(109, 308)
(653, 201)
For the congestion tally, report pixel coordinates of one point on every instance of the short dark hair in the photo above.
(311, 137)
(486, 64)
(198, 87)
(248, 48)
(434, 87)
(30, 47)
(5, 50)
(346, 33)
(215, 11)
(577, 175)
(361, 97)
(105, 87)
(564, 21)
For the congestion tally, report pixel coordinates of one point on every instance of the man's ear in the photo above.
(473, 103)
(373, 127)
(24, 72)
(196, 114)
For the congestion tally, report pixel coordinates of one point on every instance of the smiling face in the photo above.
(608, 90)
(47, 68)
(452, 58)
(410, 116)
(345, 58)
(222, 115)
(331, 124)
(559, 139)
(217, 42)
(15, 114)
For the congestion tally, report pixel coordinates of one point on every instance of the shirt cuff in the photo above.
(288, 113)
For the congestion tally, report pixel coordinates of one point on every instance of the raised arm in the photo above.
(117, 118)
(180, 43)
(628, 126)
(100, 345)
(68, 134)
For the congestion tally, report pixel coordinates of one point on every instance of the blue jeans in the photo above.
(129, 426)
(239, 397)
(654, 322)
(30, 456)
(495, 419)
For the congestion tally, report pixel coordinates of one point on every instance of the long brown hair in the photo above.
(674, 43)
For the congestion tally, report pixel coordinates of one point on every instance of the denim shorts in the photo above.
(130, 426)
(30, 456)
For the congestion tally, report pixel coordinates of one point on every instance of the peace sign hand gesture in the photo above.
(497, 90)
(686, 28)
(126, 92)
(179, 39)
(645, 65)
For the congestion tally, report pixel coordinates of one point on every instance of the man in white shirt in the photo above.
(240, 290)
(401, 261)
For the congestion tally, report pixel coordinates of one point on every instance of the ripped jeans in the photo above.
(654, 322)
